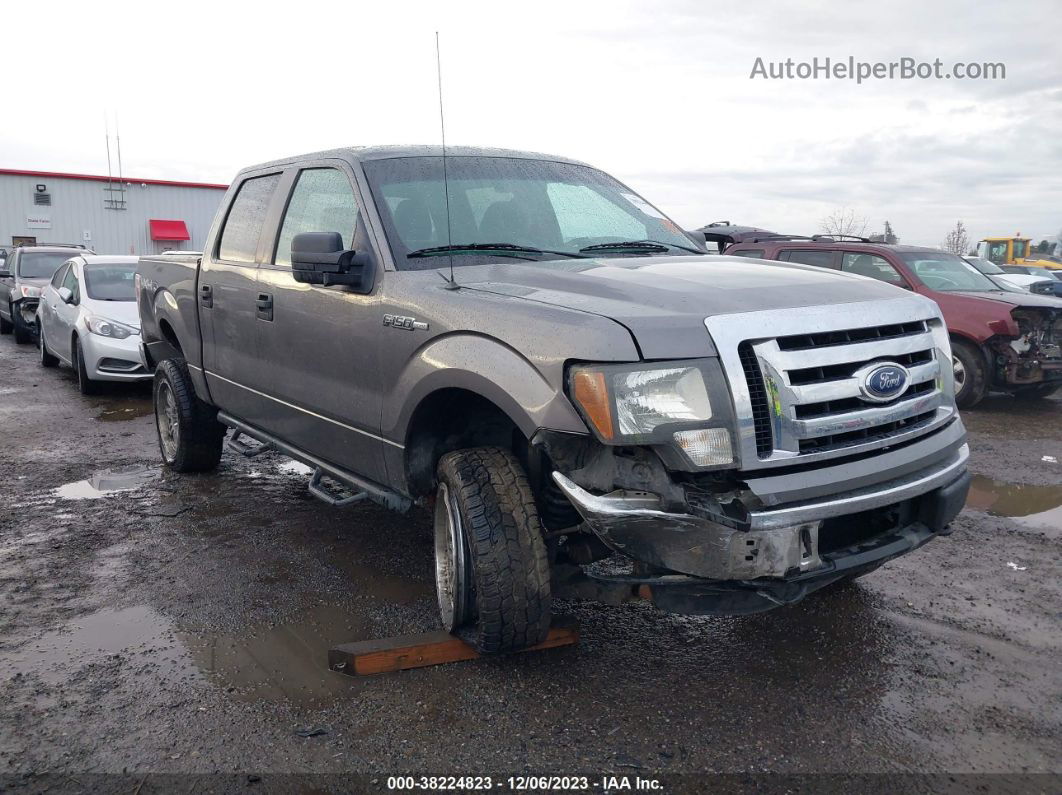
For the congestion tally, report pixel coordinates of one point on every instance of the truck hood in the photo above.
(1016, 299)
(663, 301)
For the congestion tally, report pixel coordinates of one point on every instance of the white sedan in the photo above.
(87, 318)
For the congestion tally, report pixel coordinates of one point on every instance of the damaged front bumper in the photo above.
(776, 541)
(775, 556)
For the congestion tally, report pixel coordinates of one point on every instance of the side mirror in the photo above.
(65, 295)
(5, 274)
(319, 258)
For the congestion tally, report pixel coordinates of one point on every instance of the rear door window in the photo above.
(748, 252)
(243, 226)
(323, 201)
(810, 256)
(873, 266)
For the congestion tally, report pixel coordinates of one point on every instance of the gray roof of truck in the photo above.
(364, 153)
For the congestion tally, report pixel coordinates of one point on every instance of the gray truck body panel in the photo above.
(330, 373)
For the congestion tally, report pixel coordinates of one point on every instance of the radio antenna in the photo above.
(107, 135)
(118, 141)
(446, 181)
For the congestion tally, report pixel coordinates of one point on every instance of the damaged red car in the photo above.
(1001, 341)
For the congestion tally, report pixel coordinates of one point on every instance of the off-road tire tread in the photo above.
(202, 437)
(509, 561)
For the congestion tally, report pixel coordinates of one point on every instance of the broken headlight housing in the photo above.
(681, 406)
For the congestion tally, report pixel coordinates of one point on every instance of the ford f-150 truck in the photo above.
(540, 356)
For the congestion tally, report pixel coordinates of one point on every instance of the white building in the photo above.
(108, 215)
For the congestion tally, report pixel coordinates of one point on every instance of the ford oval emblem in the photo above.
(885, 382)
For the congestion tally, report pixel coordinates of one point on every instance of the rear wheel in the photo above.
(190, 436)
(491, 567)
(46, 359)
(971, 378)
(84, 383)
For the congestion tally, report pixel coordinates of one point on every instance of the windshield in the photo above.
(110, 282)
(947, 272)
(40, 264)
(554, 208)
(985, 266)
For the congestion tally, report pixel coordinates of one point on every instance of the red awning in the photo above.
(168, 230)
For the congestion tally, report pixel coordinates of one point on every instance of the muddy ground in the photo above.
(153, 623)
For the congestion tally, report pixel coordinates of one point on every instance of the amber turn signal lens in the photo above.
(590, 392)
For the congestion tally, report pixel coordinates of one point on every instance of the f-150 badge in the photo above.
(407, 323)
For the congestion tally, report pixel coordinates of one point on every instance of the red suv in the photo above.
(1000, 340)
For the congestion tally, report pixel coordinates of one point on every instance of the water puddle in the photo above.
(294, 468)
(288, 662)
(131, 631)
(106, 482)
(1034, 506)
(122, 410)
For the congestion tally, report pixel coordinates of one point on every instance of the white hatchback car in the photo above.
(87, 318)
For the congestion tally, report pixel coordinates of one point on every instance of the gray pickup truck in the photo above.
(587, 402)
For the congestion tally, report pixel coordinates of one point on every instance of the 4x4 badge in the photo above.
(407, 323)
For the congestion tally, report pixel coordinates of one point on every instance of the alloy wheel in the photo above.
(168, 421)
(451, 568)
(959, 371)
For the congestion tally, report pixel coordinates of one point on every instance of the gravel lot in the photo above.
(181, 624)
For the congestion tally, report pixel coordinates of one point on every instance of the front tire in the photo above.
(23, 333)
(6, 325)
(971, 377)
(46, 359)
(190, 436)
(84, 384)
(492, 571)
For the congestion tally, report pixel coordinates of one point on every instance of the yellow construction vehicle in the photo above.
(1015, 250)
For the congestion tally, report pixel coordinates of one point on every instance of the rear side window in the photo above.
(748, 252)
(243, 226)
(872, 266)
(823, 259)
(322, 201)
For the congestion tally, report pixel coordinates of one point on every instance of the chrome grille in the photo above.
(761, 415)
(818, 403)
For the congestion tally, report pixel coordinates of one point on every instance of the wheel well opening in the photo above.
(166, 330)
(454, 419)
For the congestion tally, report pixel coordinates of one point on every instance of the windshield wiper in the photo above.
(505, 249)
(639, 245)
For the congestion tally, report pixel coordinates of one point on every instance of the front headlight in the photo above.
(664, 404)
(29, 291)
(109, 328)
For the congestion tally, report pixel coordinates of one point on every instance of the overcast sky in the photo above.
(657, 93)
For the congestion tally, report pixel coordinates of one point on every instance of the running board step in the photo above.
(321, 492)
(244, 449)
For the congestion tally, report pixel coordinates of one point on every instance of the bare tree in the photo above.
(844, 221)
(957, 241)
